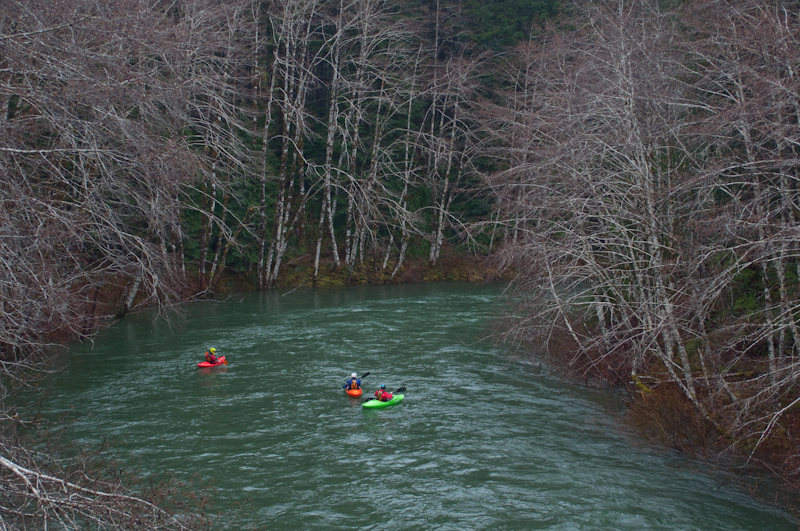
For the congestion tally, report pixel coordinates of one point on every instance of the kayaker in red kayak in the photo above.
(211, 356)
(353, 383)
(382, 394)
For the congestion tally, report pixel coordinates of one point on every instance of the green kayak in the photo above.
(378, 404)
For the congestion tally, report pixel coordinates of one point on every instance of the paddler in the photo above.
(382, 394)
(353, 383)
(211, 355)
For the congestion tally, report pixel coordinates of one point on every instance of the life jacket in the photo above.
(211, 358)
(382, 395)
(352, 384)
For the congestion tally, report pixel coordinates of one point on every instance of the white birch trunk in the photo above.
(262, 225)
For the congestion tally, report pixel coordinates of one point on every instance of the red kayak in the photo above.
(353, 392)
(220, 361)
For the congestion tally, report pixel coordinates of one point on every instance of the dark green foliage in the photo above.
(471, 201)
(417, 248)
(499, 24)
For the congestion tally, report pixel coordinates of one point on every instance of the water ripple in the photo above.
(477, 444)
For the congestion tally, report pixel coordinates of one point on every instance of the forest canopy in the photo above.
(499, 24)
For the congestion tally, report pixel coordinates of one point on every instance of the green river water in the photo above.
(480, 442)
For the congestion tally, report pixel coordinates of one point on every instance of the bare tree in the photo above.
(597, 195)
(96, 164)
(293, 26)
(747, 79)
(653, 186)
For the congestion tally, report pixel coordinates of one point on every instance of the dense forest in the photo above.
(634, 164)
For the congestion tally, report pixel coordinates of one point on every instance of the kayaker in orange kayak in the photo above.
(353, 383)
(382, 394)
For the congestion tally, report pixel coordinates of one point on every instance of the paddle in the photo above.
(397, 391)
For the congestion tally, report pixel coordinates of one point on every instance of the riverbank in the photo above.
(300, 273)
(658, 410)
(769, 468)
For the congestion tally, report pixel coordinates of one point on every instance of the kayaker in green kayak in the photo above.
(382, 394)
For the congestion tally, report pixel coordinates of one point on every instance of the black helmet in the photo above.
(383, 386)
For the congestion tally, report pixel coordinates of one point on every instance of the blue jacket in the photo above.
(348, 382)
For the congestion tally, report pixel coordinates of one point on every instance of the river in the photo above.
(480, 442)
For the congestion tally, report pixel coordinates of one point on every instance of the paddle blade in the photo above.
(365, 375)
(225, 362)
(400, 390)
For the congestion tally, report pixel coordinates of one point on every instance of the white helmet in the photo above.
(354, 375)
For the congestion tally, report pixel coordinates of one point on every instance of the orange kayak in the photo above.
(220, 361)
(353, 392)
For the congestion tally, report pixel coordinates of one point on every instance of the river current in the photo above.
(480, 442)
